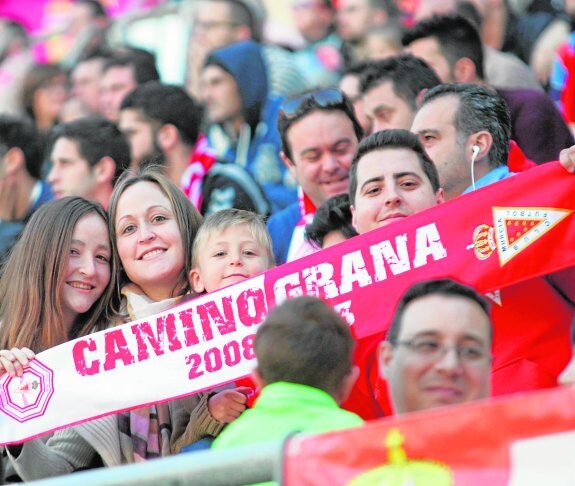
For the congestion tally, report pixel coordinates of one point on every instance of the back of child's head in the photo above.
(305, 341)
(226, 218)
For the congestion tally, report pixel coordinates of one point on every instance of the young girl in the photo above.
(56, 286)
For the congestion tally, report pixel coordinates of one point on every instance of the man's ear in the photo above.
(440, 196)
(14, 161)
(464, 71)
(286, 160)
(105, 170)
(196, 281)
(243, 32)
(483, 140)
(347, 384)
(167, 136)
(289, 164)
(385, 355)
(353, 221)
(258, 378)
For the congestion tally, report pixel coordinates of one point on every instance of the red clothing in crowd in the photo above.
(531, 346)
(201, 161)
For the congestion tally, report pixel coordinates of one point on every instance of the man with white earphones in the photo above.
(465, 129)
(531, 319)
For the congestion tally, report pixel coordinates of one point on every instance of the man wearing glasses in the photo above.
(319, 134)
(430, 358)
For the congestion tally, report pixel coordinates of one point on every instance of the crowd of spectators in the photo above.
(367, 114)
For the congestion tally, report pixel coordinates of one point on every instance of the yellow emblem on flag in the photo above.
(400, 471)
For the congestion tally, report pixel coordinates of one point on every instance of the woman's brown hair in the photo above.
(187, 217)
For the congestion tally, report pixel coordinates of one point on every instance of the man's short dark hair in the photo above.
(96, 138)
(101, 53)
(20, 133)
(305, 341)
(357, 68)
(308, 103)
(445, 287)
(167, 104)
(457, 38)
(143, 66)
(390, 139)
(408, 75)
(333, 215)
(479, 109)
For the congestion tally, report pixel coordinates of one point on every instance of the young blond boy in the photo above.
(231, 245)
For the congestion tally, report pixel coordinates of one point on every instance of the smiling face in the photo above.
(322, 146)
(418, 382)
(391, 185)
(149, 240)
(88, 270)
(228, 257)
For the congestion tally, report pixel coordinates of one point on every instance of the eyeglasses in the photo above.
(434, 350)
(325, 98)
(213, 24)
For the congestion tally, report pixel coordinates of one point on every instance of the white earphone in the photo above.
(475, 149)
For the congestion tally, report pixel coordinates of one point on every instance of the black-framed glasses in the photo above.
(434, 350)
(323, 98)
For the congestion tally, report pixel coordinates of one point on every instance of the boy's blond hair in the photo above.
(233, 217)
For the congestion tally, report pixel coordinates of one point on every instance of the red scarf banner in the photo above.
(491, 239)
(526, 439)
(496, 237)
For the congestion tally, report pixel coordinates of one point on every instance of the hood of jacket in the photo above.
(244, 61)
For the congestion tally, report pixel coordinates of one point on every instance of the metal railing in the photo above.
(229, 467)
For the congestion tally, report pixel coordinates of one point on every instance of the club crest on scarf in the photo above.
(514, 229)
(26, 397)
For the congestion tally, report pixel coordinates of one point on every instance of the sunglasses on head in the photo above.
(325, 98)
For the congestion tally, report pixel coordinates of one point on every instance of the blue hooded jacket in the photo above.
(258, 144)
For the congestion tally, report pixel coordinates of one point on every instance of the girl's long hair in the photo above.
(31, 309)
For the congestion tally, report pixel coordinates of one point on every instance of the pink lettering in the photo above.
(165, 326)
(78, 352)
(116, 348)
(252, 307)
(190, 334)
